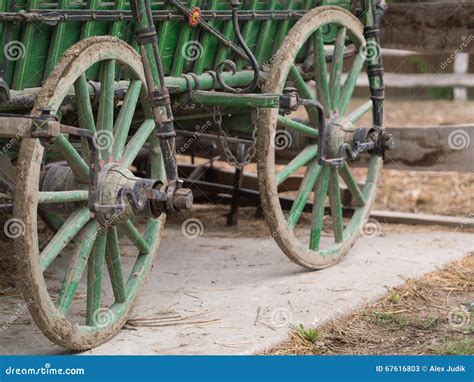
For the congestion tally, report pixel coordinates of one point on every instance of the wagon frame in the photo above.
(110, 86)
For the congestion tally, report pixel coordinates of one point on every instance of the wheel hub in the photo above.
(110, 201)
(340, 131)
(341, 140)
(116, 194)
(119, 195)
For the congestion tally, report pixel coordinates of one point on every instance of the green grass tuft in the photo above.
(308, 334)
(459, 347)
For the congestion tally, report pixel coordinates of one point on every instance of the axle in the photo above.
(118, 194)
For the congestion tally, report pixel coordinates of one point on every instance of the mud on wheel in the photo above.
(52, 270)
(305, 233)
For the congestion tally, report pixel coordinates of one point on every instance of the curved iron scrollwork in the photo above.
(231, 65)
(241, 49)
(4, 90)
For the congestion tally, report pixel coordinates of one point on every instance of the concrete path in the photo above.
(241, 295)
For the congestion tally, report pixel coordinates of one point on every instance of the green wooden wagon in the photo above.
(87, 87)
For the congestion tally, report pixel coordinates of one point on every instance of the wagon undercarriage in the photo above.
(90, 110)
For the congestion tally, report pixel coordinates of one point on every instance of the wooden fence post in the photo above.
(461, 64)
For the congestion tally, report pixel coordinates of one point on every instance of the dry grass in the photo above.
(442, 193)
(429, 315)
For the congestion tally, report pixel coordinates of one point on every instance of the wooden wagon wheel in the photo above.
(81, 242)
(303, 244)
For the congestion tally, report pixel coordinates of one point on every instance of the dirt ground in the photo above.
(425, 113)
(430, 315)
(444, 193)
(433, 192)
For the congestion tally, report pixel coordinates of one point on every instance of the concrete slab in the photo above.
(241, 295)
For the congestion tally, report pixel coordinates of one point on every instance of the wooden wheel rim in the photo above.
(44, 311)
(275, 82)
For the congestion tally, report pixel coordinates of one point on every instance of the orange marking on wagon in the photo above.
(194, 17)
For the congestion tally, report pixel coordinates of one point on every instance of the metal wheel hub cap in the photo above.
(340, 131)
(120, 195)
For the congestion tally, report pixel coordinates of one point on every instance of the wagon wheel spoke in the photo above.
(74, 223)
(114, 266)
(151, 228)
(351, 80)
(79, 167)
(307, 186)
(308, 153)
(76, 267)
(129, 229)
(360, 111)
(358, 197)
(84, 106)
(105, 114)
(95, 271)
(299, 127)
(84, 111)
(336, 68)
(321, 77)
(336, 205)
(82, 238)
(303, 61)
(136, 142)
(124, 119)
(319, 205)
(48, 197)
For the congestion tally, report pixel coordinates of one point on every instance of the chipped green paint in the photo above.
(309, 152)
(70, 228)
(311, 175)
(76, 267)
(135, 144)
(125, 117)
(114, 266)
(336, 68)
(319, 204)
(357, 195)
(62, 196)
(298, 126)
(129, 229)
